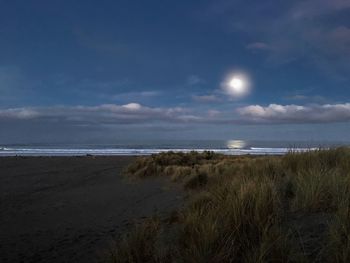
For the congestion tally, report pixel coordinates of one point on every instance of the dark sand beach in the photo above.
(70, 209)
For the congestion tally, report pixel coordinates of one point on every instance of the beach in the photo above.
(71, 209)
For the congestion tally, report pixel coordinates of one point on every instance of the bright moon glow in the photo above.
(236, 85)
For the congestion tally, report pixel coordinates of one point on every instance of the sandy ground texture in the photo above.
(69, 209)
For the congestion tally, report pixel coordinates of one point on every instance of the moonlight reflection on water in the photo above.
(236, 144)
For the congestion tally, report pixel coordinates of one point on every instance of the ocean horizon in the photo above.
(148, 147)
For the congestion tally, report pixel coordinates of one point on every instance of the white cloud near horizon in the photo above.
(135, 113)
(294, 114)
(101, 114)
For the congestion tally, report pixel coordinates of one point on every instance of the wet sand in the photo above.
(70, 209)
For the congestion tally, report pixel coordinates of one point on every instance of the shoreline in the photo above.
(71, 152)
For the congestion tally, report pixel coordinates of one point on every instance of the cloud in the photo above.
(213, 113)
(297, 97)
(258, 46)
(132, 106)
(335, 42)
(125, 96)
(18, 113)
(315, 98)
(294, 30)
(194, 80)
(279, 114)
(205, 98)
(312, 8)
(135, 113)
(102, 114)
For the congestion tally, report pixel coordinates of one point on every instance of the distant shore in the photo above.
(70, 209)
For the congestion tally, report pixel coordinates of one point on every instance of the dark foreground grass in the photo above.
(294, 208)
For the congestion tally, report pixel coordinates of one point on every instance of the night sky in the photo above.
(107, 71)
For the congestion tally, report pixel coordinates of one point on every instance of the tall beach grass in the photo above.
(292, 208)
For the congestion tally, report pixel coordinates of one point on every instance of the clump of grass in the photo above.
(192, 169)
(195, 180)
(229, 222)
(318, 178)
(138, 245)
(178, 173)
(314, 190)
(250, 209)
(339, 234)
(338, 242)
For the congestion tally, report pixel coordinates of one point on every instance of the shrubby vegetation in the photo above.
(293, 208)
(192, 169)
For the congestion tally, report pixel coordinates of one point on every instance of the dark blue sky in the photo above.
(113, 70)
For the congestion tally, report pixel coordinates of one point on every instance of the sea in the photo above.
(139, 148)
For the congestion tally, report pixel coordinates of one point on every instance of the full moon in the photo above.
(236, 85)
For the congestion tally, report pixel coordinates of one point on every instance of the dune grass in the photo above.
(293, 208)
